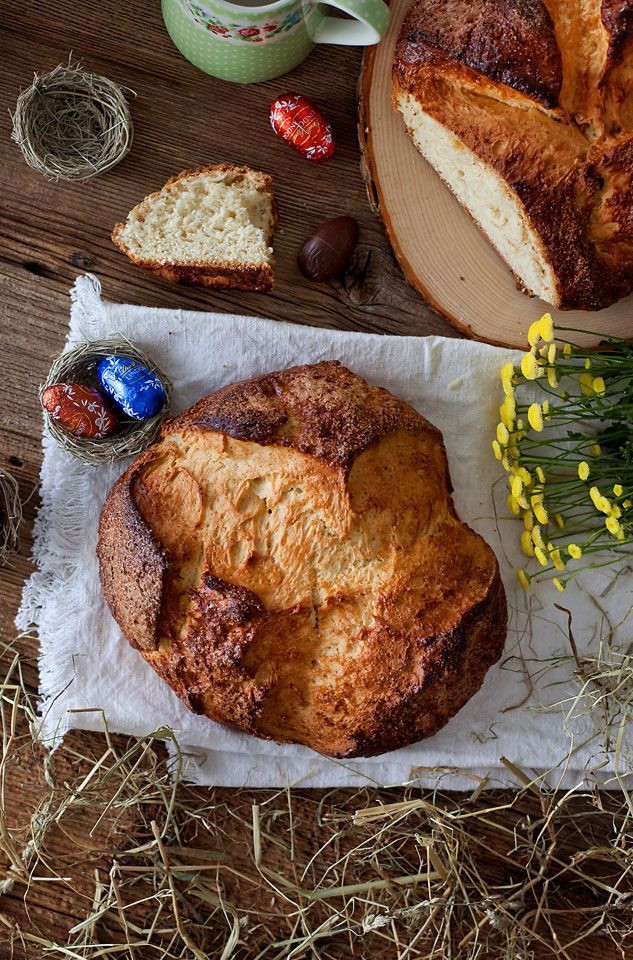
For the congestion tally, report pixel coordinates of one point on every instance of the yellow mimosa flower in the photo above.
(551, 353)
(496, 449)
(523, 579)
(560, 586)
(618, 489)
(540, 556)
(528, 519)
(612, 525)
(534, 333)
(596, 449)
(567, 350)
(507, 373)
(514, 506)
(583, 470)
(537, 539)
(546, 327)
(529, 366)
(540, 474)
(560, 521)
(526, 544)
(535, 417)
(503, 434)
(574, 551)
(558, 560)
(552, 377)
(599, 386)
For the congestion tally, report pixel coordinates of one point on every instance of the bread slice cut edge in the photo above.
(255, 274)
(490, 200)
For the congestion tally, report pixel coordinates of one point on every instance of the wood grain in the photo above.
(440, 248)
(52, 232)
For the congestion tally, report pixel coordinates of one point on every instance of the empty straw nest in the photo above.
(71, 124)
(10, 515)
(78, 365)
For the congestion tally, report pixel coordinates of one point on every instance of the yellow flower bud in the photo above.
(540, 474)
(586, 384)
(528, 519)
(534, 333)
(618, 489)
(599, 386)
(520, 424)
(546, 327)
(583, 470)
(513, 505)
(574, 551)
(507, 373)
(615, 512)
(596, 449)
(540, 556)
(526, 544)
(558, 560)
(503, 434)
(525, 476)
(529, 366)
(567, 350)
(560, 522)
(540, 513)
(537, 539)
(612, 525)
(560, 586)
(523, 579)
(496, 449)
(551, 354)
(517, 487)
(627, 504)
(552, 377)
(535, 417)
(587, 364)
(546, 407)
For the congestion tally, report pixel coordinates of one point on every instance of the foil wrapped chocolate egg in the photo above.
(80, 410)
(132, 387)
(328, 250)
(296, 120)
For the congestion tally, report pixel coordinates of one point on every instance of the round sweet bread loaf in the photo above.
(288, 558)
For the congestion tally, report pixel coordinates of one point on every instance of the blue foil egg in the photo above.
(131, 386)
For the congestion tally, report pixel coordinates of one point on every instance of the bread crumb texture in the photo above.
(213, 222)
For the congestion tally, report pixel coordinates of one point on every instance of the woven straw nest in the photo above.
(129, 437)
(71, 124)
(10, 515)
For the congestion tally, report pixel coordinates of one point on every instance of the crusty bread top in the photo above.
(213, 225)
(541, 92)
(317, 585)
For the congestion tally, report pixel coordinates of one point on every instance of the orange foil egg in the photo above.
(296, 120)
(80, 410)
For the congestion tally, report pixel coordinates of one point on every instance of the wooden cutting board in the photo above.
(439, 247)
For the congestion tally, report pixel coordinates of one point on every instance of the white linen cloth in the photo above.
(86, 665)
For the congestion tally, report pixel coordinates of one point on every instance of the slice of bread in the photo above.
(210, 227)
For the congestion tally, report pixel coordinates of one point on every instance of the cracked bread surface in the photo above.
(525, 109)
(316, 584)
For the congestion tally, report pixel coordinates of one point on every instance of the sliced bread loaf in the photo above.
(211, 227)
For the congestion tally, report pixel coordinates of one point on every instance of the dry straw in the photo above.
(71, 124)
(10, 515)
(154, 868)
(78, 365)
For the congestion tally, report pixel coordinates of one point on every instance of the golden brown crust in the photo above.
(541, 92)
(217, 274)
(317, 585)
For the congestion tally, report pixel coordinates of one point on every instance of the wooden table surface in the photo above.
(51, 232)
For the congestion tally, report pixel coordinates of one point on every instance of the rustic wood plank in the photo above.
(52, 232)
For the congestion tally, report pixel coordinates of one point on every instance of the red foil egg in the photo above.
(302, 125)
(80, 410)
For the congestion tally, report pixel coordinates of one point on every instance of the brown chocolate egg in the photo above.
(328, 250)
